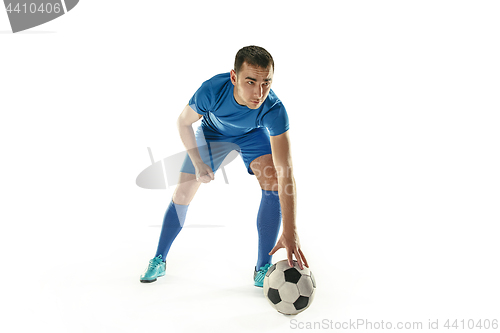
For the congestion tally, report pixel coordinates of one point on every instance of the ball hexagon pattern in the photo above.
(289, 290)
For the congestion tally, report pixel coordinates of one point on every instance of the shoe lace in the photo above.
(155, 262)
(264, 268)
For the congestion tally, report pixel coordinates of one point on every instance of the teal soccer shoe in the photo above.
(155, 270)
(258, 276)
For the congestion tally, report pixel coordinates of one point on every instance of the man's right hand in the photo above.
(204, 173)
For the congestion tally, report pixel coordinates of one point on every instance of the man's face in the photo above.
(252, 85)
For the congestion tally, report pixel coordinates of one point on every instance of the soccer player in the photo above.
(239, 112)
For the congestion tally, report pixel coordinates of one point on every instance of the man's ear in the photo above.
(233, 76)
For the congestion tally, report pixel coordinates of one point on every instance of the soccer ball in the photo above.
(289, 290)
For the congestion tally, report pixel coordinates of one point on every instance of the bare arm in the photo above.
(282, 159)
(184, 124)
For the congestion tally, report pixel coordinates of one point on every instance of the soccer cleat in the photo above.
(258, 276)
(155, 270)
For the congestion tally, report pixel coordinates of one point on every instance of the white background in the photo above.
(394, 117)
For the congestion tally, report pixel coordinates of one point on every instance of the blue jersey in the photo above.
(214, 100)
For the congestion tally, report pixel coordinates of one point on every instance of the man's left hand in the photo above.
(291, 244)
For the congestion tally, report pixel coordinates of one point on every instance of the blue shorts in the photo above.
(214, 147)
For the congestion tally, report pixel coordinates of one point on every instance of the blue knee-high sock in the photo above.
(172, 225)
(268, 225)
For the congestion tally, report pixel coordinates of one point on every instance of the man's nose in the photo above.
(259, 91)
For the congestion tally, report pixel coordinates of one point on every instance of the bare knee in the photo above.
(263, 168)
(186, 189)
(184, 196)
(269, 182)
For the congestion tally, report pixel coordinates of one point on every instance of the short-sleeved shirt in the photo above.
(214, 100)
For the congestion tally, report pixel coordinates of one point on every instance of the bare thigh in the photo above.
(186, 189)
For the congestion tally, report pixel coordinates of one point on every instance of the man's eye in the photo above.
(250, 82)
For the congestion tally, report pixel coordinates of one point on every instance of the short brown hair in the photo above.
(253, 55)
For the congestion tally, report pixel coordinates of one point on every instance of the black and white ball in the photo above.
(289, 290)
